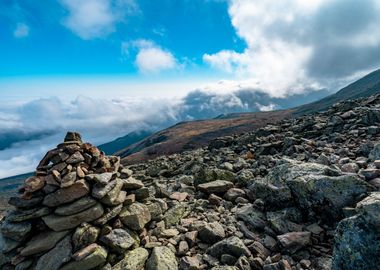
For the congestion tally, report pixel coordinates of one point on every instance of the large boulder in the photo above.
(357, 237)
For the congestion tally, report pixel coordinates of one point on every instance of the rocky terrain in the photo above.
(299, 194)
(194, 134)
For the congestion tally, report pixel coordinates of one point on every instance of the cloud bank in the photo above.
(28, 130)
(295, 44)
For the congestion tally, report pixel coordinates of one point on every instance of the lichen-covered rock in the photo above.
(162, 258)
(118, 240)
(133, 260)
(327, 195)
(135, 216)
(357, 237)
(97, 257)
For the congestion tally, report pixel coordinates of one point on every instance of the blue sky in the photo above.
(52, 38)
(109, 67)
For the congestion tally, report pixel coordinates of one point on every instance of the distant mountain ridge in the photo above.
(364, 87)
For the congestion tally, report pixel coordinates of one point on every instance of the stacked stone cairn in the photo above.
(81, 210)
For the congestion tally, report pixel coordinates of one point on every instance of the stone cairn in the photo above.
(81, 210)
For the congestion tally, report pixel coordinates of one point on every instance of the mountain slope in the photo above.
(122, 142)
(364, 87)
(195, 134)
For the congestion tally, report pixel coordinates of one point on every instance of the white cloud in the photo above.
(150, 58)
(21, 30)
(96, 18)
(293, 44)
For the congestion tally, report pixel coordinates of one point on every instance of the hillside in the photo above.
(364, 87)
(195, 134)
(122, 142)
(301, 194)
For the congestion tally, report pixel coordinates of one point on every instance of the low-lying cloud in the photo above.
(28, 130)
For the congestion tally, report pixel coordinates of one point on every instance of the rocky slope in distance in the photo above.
(299, 194)
(194, 134)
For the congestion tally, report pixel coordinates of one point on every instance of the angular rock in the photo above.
(135, 216)
(108, 215)
(99, 190)
(357, 237)
(162, 258)
(84, 236)
(212, 233)
(102, 178)
(97, 257)
(133, 260)
(294, 241)
(218, 186)
(252, 217)
(118, 240)
(174, 215)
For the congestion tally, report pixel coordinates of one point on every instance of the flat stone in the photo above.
(218, 186)
(22, 203)
(179, 196)
(102, 178)
(133, 260)
(75, 207)
(61, 223)
(16, 231)
(99, 190)
(132, 183)
(42, 242)
(118, 240)
(294, 241)
(112, 197)
(19, 216)
(162, 258)
(96, 258)
(67, 195)
(56, 257)
(135, 216)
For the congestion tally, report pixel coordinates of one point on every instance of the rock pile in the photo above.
(81, 210)
(300, 194)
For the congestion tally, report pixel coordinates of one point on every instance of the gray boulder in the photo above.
(357, 243)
